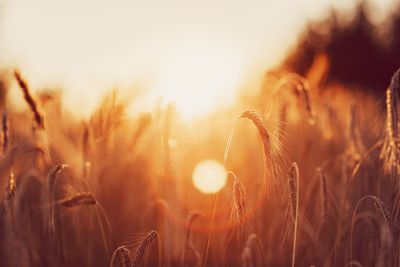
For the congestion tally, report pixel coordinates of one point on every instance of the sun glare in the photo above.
(209, 176)
(199, 81)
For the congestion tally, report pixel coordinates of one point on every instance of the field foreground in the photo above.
(312, 180)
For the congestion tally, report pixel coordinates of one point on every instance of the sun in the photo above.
(209, 176)
(199, 81)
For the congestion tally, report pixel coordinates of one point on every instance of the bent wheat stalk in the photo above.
(300, 88)
(247, 254)
(189, 249)
(141, 252)
(257, 120)
(51, 187)
(124, 257)
(356, 169)
(380, 205)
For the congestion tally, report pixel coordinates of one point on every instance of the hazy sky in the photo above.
(176, 48)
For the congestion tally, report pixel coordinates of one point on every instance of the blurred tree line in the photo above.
(361, 53)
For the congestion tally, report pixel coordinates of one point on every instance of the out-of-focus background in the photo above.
(183, 50)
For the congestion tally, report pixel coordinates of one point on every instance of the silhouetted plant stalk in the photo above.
(140, 255)
(166, 134)
(51, 190)
(240, 216)
(53, 215)
(384, 212)
(7, 208)
(293, 180)
(323, 194)
(299, 87)
(38, 118)
(84, 199)
(190, 254)
(248, 257)
(86, 165)
(145, 121)
(121, 256)
(257, 120)
(4, 123)
(390, 152)
(391, 149)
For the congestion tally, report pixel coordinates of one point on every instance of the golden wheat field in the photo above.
(303, 169)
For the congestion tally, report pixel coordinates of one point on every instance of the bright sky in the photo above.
(183, 50)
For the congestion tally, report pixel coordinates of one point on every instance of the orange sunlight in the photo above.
(196, 55)
(199, 81)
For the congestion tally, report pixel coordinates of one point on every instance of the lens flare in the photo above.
(209, 176)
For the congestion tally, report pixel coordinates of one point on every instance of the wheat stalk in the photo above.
(85, 199)
(300, 88)
(168, 178)
(145, 121)
(29, 100)
(390, 150)
(8, 200)
(139, 257)
(248, 259)
(4, 123)
(380, 205)
(86, 146)
(239, 199)
(323, 194)
(239, 213)
(124, 257)
(51, 183)
(383, 210)
(293, 179)
(356, 147)
(257, 120)
(385, 248)
(11, 187)
(191, 255)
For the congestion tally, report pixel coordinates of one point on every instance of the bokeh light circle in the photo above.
(209, 176)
